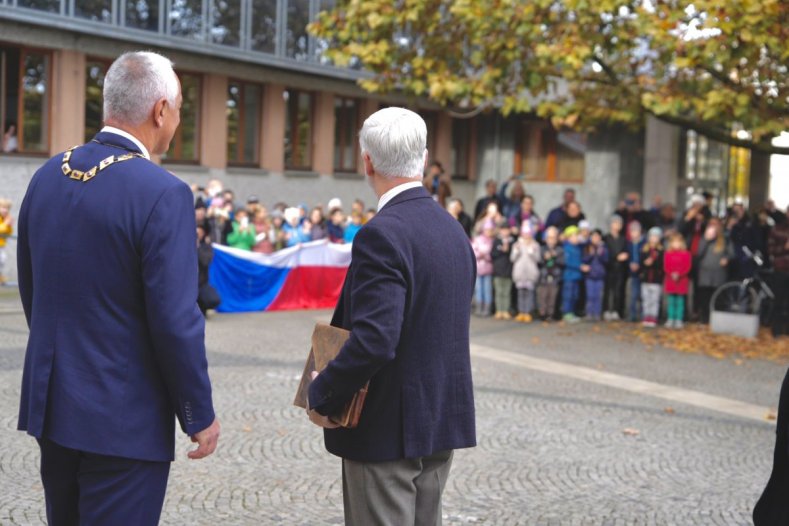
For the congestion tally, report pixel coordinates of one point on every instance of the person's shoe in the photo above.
(497, 316)
(570, 318)
(614, 316)
(506, 316)
(679, 324)
(669, 324)
(526, 318)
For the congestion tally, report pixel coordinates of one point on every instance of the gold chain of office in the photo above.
(85, 176)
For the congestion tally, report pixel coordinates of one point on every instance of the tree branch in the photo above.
(722, 136)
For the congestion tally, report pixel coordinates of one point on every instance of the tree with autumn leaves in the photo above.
(714, 66)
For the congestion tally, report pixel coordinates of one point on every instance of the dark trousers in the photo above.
(84, 489)
(702, 300)
(780, 308)
(594, 297)
(614, 298)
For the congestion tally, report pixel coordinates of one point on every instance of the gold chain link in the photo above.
(86, 176)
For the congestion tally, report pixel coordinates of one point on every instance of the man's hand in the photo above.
(206, 441)
(317, 418)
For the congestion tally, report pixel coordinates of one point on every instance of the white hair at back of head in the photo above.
(396, 141)
(134, 83)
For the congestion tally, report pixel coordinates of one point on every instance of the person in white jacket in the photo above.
(525, 271)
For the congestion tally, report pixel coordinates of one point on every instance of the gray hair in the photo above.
(134, 83)
(395, 139)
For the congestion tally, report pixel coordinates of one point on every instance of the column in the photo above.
(272, 151)
(213, 122)
(68, 100)
(323, 133)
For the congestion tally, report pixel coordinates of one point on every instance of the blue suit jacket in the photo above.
(406, 301)
(108, 279)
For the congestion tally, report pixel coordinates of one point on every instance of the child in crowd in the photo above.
(6, 230)
(295, 232)
(635, 244)
(353, 227)
(571, 277)
(584, 231)
(483, 249)
(265, 236)
(335, 226)
(595, 260)
(551, 268)
(616, 273)
(677, 266)
(525, 271)
(243, 235)
(652, 276)
(502, 273)
(715, 253)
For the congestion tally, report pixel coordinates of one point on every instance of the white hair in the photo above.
(134, 83)
(395, 139)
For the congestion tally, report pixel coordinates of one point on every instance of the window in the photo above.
(296, 37)
(96, 10)
(543, 154)
(264, 25)
(225, 22)
(243, 122)
(186, 18)
(298, 130)
(346, 125)
(143, 14)
(460, 155)
(95, 70)
(24, 100)
(185, 144)
(50, 6)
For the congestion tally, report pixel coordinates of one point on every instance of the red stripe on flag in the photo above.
(310, 288)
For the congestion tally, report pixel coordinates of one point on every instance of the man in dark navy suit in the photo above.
(108, 278)
(407, 302)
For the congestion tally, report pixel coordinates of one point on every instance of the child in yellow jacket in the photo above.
(6, 229)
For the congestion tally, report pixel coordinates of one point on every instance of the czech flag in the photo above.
(307, 276)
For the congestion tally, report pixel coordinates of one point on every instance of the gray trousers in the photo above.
(398, 493)
(650, 299)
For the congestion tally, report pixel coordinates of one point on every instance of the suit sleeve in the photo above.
(377, 297)
(169, 266)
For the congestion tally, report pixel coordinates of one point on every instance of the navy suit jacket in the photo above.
(108, 279)
(407, 302)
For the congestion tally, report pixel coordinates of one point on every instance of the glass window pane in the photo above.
(296, 38)
(346, 114)
(322, 45)
(252, 102)
(570, 152)
(143, 14)
(233, 113)
(461, 143)
(298, 130)
(35, 102)
(94, 85)
(226, 22)
(264, 25)
(9, 106)
(51, 6)
(186, 18)
(184, 146)
(97, 10)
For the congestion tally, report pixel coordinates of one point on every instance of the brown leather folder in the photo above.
(326, 344)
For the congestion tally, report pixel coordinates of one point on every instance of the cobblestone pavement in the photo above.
(552, 450)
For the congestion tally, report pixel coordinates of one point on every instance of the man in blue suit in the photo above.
(407, 302)
(108, 278)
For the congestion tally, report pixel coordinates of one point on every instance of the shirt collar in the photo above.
(397, 190)
(129, 136)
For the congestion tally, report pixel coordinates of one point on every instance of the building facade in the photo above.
(269, 115)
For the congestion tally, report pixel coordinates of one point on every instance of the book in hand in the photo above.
(326, 344)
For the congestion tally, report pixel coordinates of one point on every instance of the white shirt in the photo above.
(397, 190)
(132, 138)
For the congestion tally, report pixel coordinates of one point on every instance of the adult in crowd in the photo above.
(666, 219)
(745, 237)
(408, 313)
(207, 296)
(557, 216)
(490, 197)
(510, 196)
(633, 211)
(775, 214)
(455, 209)
(778, 248)
(437, 183)
(121, 274)
(692, 228)
(527, 215)
(318, 228)
(572, 216)
(219, 223)
(10, 142)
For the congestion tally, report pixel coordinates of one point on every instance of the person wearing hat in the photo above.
(572, 276)
(483, 249)
(525, 271)
(502, 272)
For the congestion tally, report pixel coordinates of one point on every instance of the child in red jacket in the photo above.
(676, 265)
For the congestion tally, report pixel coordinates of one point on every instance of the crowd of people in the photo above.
(645, 265)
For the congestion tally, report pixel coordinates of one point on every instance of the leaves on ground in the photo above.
(631, 432)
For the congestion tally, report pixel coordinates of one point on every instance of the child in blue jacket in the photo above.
(635, 246)
(572, 276)
(595, 260)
